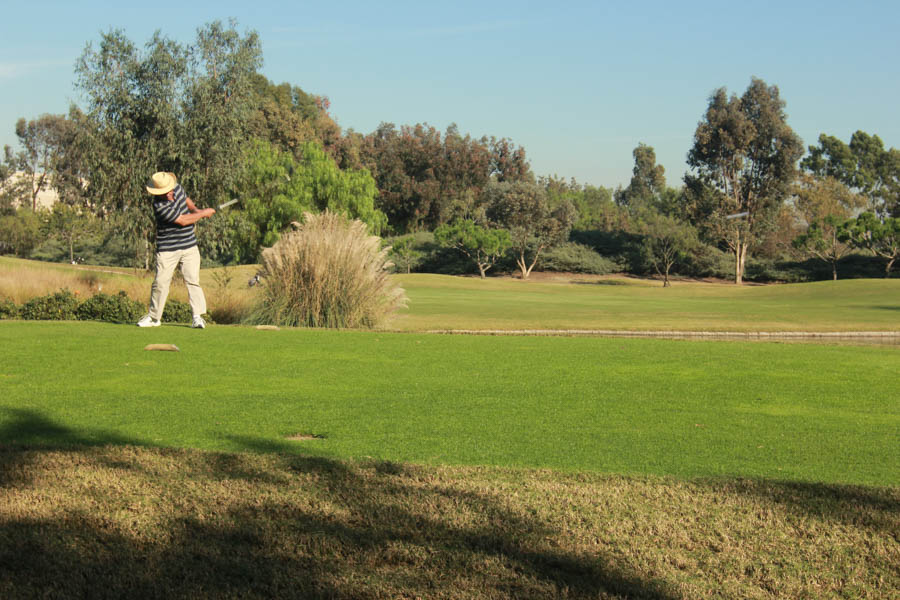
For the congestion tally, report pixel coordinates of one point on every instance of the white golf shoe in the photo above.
(148, 321)
(198, 322)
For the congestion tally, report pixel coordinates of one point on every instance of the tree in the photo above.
(822, 241)
(508, 162)
(879, 236)
(404, 253)
(816, 197)
(745, 153)
(12, 188)
(19, 232)
(482, 245)
(666, 241)
(277, 189)
(44, 140)
(823, 204)
(864, 165)
(170, 108)
(288, 117)
(69, 224)
(217, 106)
(131, 126)
(648, 181)
(522, 208)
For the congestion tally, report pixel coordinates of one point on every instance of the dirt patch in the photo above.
(305, 437)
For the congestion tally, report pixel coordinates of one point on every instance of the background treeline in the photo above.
(752, 207)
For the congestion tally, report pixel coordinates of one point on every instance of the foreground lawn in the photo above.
(689, 409)
(128, 522)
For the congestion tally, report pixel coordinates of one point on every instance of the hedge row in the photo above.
(65, 306)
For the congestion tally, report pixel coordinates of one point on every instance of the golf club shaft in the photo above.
(227, 204)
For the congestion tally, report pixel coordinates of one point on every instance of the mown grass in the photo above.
(442, 302)
(119, 522)
(688, 409)
(456, 466)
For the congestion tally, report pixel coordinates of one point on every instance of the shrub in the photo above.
(177, 311)
(112, 309)
(573, 257)
(327, 273)
(59, 306)
(8, 309)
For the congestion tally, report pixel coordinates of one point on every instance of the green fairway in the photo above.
(443, 302)
(797, 412)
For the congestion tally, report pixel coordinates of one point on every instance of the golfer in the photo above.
(176, 245)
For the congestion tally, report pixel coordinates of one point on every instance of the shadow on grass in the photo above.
(273, 526)
(168, 523)
(29, 429)
(876, 509)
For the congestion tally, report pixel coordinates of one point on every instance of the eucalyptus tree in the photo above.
(648, 181)
(864, 165)
(218, 99)
(166, 107)
(44, 141)
(745, 156)
(132, 126)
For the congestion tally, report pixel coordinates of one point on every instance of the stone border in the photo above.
(754, 335)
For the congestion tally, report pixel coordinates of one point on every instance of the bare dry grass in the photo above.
(150, 523)
(226, 290)
(23, 280)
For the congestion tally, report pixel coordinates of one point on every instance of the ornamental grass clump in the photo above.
(328, 272)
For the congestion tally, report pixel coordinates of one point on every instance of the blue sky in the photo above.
(578, 84)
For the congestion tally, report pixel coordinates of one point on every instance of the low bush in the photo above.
(8, 309)
(59, 306)
(177, 311)
(621, 248)
(112, 309)
(573, 257)
(328, 273)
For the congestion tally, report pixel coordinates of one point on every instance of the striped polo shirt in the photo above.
(169, 234)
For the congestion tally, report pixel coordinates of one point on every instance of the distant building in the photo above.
(46, 198)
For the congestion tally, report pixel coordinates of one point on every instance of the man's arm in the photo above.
(190, 204)
(190, 219)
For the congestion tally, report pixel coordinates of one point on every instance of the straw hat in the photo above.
(161, 183)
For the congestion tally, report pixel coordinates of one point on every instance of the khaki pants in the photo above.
(165, 269)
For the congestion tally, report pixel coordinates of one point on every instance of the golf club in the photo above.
(227, 204)
(735, 216)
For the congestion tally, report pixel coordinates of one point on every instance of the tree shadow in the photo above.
(874, 508)
(368, 530)
(26, 433)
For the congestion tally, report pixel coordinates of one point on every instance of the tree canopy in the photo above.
(745, 155)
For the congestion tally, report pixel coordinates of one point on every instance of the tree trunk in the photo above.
(890, 265)
(834, 270)
(481, 270)
(740, 256)
(666, 277)
(520, 262)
